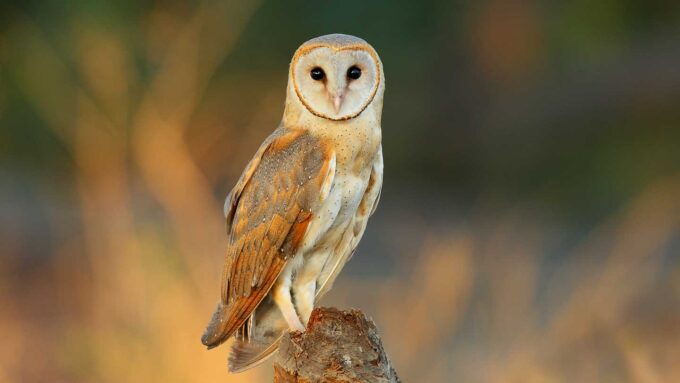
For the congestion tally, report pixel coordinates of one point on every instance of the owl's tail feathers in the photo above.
(219, 329)
(246, 355)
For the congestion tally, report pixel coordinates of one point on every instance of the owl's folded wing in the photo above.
(268, 213)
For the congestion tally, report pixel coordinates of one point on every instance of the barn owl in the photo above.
(298, 211)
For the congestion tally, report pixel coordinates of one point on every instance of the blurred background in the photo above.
(529, 226)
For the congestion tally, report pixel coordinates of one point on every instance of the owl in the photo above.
(301, 206)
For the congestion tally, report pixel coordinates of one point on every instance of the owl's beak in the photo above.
(337, 102)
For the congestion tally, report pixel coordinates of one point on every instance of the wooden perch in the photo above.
(338, 346)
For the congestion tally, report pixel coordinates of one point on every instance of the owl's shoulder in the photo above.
(291, 139)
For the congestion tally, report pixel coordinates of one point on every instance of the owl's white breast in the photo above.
(355, 146)
(338, 209)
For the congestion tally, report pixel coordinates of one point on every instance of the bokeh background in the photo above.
(529, 227)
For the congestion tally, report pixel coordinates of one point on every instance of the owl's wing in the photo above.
(267, 217)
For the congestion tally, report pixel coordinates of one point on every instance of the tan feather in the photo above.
(269, 211)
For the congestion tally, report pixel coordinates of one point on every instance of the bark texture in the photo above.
(338, 346)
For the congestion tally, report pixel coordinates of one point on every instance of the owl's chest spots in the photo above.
(338, 209)
(354, 151)
(345, 195)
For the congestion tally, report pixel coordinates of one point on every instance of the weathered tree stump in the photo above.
(338, 346)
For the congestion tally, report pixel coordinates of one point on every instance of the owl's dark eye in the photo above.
(354, 73)
(317, 74)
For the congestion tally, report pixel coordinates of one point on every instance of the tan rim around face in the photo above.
(310, 48)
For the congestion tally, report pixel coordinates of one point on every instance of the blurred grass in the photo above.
(525, 233)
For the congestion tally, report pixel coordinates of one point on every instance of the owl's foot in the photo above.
(304, 299)
(284, 301)
(292, 319)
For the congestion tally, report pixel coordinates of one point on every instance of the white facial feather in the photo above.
(336, 95)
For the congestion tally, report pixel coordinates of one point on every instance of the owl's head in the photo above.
(336, 77)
